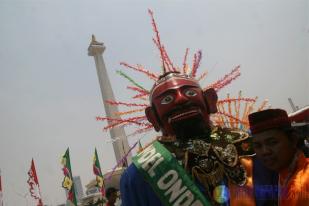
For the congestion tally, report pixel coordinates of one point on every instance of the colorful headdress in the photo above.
(230, 117)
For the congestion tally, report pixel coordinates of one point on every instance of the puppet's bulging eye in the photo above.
(167, 99)
(190, 93)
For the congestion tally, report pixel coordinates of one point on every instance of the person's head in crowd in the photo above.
(111, 195)
(274, 140)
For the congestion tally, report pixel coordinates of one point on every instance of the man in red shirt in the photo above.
(276, 145)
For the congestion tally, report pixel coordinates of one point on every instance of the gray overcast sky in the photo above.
(49, 91)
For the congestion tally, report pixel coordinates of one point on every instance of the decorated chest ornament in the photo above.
(206, 134)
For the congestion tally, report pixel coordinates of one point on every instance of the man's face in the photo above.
(113, 197)
(274, 149)
(180, 106)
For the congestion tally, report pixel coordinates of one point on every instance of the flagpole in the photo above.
(1, 195)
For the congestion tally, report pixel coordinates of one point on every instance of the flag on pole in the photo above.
(1, 197)
(97, 171)
(67, 182)
(33, 182)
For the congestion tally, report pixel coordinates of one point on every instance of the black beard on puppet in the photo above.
(188, 122)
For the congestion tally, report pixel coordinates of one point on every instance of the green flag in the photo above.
(67, 182)
(98, 173)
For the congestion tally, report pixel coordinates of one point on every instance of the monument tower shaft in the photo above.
(120, 142)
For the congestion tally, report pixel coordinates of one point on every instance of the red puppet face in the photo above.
(179, 107)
